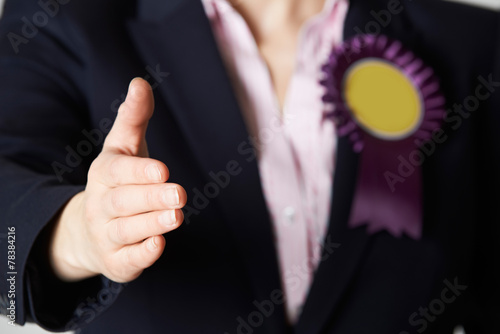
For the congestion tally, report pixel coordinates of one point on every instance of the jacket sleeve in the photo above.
(43, 163)
(486, 263)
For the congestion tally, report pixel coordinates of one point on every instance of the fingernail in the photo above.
(131, 86)
(168, 218)
(171, 196)
(153, 172)
(152, 246)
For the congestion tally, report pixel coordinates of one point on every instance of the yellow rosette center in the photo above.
(382, 99)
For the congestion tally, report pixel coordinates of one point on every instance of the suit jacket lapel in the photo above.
(177, 35)
(339, 261)
(338, 269)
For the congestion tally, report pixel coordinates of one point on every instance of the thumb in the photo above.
(127, 136)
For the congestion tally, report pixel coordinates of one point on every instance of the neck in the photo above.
(275, 25)
(267, 16)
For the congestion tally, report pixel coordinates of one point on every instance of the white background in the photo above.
(32, 329)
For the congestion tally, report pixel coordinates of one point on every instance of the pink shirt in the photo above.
(296, 149)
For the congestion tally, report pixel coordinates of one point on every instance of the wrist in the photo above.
(65, 253)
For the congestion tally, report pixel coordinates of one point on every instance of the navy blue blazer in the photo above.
(64, 69)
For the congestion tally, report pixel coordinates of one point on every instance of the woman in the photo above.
(243, 141)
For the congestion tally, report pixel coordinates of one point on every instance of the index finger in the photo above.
(115, 170)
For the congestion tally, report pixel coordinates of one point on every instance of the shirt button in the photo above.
(289, 213)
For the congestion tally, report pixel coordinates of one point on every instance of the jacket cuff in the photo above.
(56, 305)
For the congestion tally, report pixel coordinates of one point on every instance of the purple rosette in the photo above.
(383, 200)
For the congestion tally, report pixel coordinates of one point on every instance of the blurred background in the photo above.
(32, 329)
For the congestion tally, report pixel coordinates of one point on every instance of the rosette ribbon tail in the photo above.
(388, 194)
